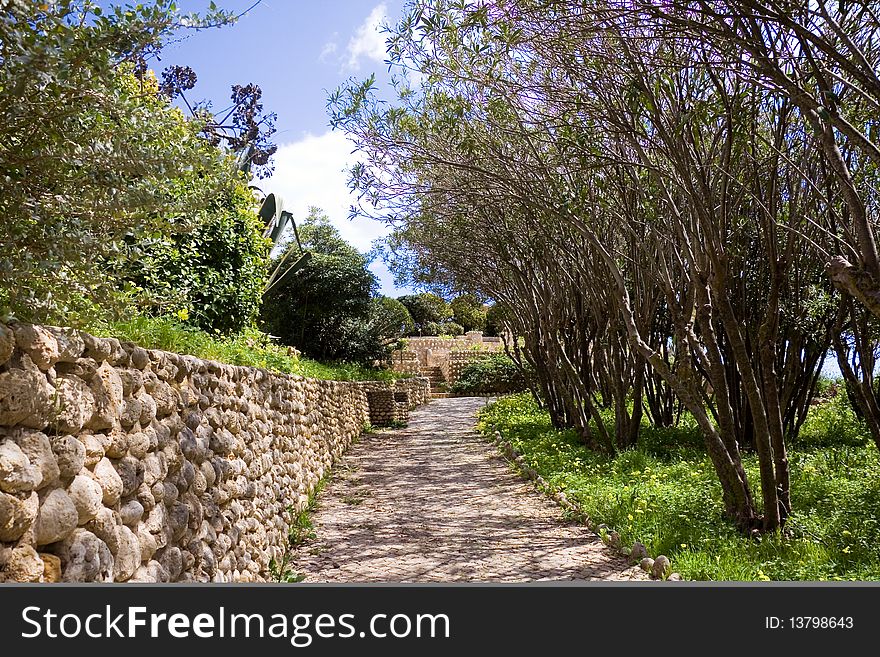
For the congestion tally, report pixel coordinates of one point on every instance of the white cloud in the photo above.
(312, 171)
(329, 48)
(368, 41)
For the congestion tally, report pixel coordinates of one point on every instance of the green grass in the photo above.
(665, 494)
(300, 530)
(251, 348)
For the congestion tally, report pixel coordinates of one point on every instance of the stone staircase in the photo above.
(437, 380)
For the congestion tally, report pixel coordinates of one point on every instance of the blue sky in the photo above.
(297, 51)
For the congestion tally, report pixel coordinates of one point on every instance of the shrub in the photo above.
(492, 374)
(496, 317)
(93, 156)
(390, 319)
(214, 271)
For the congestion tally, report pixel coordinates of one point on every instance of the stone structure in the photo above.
(383, 408)
(442, 360)
(119, 463)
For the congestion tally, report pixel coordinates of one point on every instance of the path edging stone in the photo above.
(658, 568)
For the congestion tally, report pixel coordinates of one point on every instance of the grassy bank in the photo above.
(664, 493)
(251, 348)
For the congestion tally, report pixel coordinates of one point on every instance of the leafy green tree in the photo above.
(426, 309)
(655, 222)
(93, 160)
(443, 328)
(327, 309)
(391, 319)
(468, 311)
(496, 317)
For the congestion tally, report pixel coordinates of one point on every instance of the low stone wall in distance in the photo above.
(450, 354)
(119, 463)
(406, 362)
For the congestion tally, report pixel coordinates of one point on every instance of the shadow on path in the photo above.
(435, 502)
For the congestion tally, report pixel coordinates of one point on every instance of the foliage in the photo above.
(660, 215)
(468, 311)
(214, 271)
(327, 309)
(319, 308)
(390, 319)
(249, 348)
(300, 530)
(282, 573)
(664, 494)
(427, 310)
(491, 374)
(443, 329)
(495, 320)
(92, 157)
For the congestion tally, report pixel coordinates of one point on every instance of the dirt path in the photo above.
(435, 502)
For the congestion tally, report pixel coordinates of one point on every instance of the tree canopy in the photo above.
(671, 201)
(112, 198)
(330, 309)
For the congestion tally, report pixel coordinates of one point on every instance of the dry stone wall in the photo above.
(419, 344)
(406, 362)
(119, 463)
(450, 355)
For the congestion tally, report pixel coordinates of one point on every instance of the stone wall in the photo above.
(434, 351)
(119, 463)
(405, 361)
(417, 389)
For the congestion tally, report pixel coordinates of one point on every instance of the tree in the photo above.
(95, 162)
(822, 58)
(468, 311)
(426, 309)
(390, 319)
(656, 224)
(318, 309)
(496, 318)
(329, 308)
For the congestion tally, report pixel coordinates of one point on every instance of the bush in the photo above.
(493, 374)
(94, 158)
(215, 271)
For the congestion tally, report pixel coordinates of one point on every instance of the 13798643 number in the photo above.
(820, 622)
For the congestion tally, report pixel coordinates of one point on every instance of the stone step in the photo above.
(440, 395)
